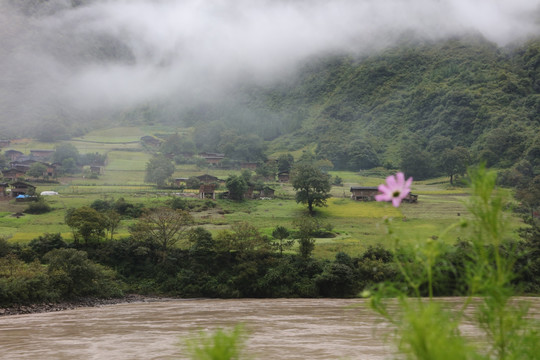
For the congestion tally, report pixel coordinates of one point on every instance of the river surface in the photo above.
(278, 329)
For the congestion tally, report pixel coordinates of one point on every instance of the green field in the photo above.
(355, 224)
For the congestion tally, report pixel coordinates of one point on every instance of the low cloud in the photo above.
(111, 54)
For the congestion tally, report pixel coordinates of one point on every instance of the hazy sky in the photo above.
(117, 53)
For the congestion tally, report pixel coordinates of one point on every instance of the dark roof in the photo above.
(364, 188)
(18, 183)
(13, 152)
(8, 171)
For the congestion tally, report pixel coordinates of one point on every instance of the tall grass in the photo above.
(425, 330)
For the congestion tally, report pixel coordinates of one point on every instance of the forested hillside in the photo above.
(410, 103)
(461, 92)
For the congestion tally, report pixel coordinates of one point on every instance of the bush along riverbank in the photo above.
(49, 271)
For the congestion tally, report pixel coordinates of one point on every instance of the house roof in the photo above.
(12, 170)
(364, 188)
(22, 184)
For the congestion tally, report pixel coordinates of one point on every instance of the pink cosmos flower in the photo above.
(395, 189)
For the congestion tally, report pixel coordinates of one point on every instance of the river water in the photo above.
(278, 329)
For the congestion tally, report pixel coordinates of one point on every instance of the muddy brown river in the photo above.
(278, 329)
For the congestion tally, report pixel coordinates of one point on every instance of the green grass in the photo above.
(357, 224)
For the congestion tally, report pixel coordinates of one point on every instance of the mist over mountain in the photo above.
(80, 63)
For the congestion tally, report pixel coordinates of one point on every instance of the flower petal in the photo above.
(400, 179)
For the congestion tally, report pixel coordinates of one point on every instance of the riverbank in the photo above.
(74, 304)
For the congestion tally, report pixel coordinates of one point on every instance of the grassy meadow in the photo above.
(356, 224)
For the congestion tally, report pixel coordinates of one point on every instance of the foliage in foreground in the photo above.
(425, 329)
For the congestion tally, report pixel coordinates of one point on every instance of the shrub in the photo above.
(38, 207)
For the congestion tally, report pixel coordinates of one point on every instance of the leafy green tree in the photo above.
(201, 240)
(281, 233)
(73, 274)
(337, 181)
(285, 162)
(361, 155)
(69, 166)
(237, 186)
(306, 227)
(266, 170)
(163, 226)
(158, 170)
(36, 170)
(244, 237)
(529, 194)
(455, 161)
(193, 182)
(87, 223)
(311, 184)
(416, 162)
(247, 147)
(47, 242)
(112, 221)
(175, 144)
(65, 151)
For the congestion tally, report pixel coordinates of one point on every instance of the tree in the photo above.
(415, 161)
(266, 170)
(285, 162)
(201, 240)
(529, 194)
(112, 221)
(163, 226)
(237, 186)
(66, 151)
(3, 161)
(247, 147)
(158, 170)
(69, 166)
(36, 170)
(306, 228)
(311, 184)
(244, 237)
(87, 223)
(177, 145)
(455, 161)
(281, 233)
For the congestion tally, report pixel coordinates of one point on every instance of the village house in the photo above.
(95, 169)
(4, 143)
(364, 193)
(207, 191)
(180, 181)
(283, 176)
(267, 192)
(12, 174)
(22, 188)
(22, 163)
(207, 179)
(150, 140)
(367, 193)
(3, 190)
(42, 153)
(212, 158)
(13, 155)
(248, 165)
(249, 192)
